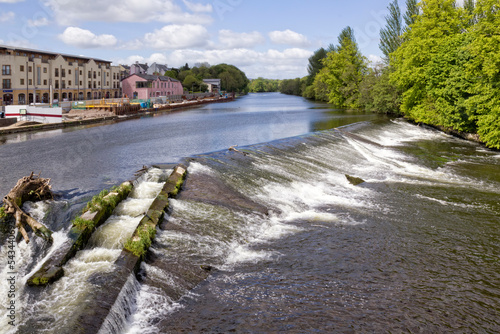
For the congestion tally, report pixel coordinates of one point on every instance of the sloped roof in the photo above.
(20, 49)
(150, 77)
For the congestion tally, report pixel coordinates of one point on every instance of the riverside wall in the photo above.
(124, 117)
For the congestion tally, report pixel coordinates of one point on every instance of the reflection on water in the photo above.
(93, 157)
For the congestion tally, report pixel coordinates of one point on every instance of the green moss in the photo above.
(178, 186)
(39, 281)
(81, 223)
(97, 201)
(145, 238)
(3, 213)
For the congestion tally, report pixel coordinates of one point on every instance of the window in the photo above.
(90, 74)
(5, 69)
(107, 83)
(142, 84)
(63, 84)
(90, 84)
(21, 68)
(81, 83)
(6, 84)
(45, 82)
(29, 69)
(57, 84)
(56, 73)
(94, 75)
(94, 85)
(38, 75)
(30, 82)
(69, 83)
(80, 72)
(22, 82)
(45, 70)
(63, 73)
(69, 72)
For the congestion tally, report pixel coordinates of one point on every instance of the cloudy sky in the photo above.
(271, 39)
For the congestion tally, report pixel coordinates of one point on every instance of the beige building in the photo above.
(43, 77)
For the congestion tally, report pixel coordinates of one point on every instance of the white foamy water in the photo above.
(66, 295)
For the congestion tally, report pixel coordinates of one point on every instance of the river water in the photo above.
(291, 245)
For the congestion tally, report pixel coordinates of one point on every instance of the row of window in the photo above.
(7, 84)
(6, 70)
(149, 84)
(44, 98)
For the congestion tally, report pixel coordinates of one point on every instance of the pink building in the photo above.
(145, 86)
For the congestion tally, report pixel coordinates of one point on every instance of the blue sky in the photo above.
(271, 39)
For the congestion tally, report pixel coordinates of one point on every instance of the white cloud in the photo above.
(42, 21)
(69, 12)
(289, 37)
(233, 40)
(374, 59)
(177, 37)
(83, 38)
(198, 7)
(10, 1)
(158, 58)
(7, 16)
(290, 63)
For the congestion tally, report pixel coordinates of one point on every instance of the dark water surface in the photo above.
(288, 243)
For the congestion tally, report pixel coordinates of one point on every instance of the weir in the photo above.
(281, 231)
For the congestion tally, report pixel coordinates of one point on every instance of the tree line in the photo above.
(232, 78)
(441, 66)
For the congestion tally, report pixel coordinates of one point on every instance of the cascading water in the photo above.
(289, 244)
(53, 309)
(384, 255)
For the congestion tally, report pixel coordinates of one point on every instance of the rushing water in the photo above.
(291, 245)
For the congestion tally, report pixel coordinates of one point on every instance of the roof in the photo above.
(150, 77)
(211, 81)
(15, 48)
(143, 66)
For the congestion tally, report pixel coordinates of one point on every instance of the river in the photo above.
(415, 248)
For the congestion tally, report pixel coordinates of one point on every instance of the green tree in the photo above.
(378, 94)
(484, 72)
(190, 82)
(412, 12)
(291, 87)
(429, 66)
(343, 72)
(232, 78)
(390, 35)
(315, 64)
(171, 73)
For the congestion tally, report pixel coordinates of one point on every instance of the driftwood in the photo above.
(29, 188)
(233, 148)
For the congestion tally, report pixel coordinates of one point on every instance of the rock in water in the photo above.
(354, 180)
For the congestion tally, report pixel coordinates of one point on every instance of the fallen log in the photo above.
(29, 188)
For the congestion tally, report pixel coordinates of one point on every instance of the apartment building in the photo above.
(145, 86)
(35, 76)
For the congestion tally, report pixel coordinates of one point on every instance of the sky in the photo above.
(272, 39)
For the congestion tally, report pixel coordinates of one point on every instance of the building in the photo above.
(138, 68)
(213, 85)
(124, 71)
(145, 86)
(30, 76)
(157, 69)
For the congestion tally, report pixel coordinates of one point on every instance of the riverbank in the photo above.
(99, 118)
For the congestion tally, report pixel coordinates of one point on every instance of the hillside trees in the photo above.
(232, 78)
